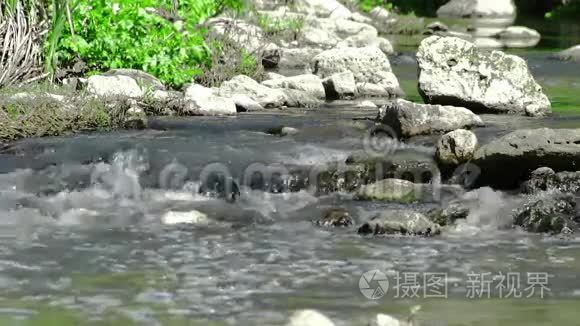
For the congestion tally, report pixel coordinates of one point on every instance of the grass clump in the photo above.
(37, 113)
(282, 28)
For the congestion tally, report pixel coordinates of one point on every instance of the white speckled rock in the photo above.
(369, 65)
(571, 54)
(200, 100)
(309, 318)
(191, 217)
(114, 86)
(456, 147)
(340, 86)
(478, 9)
(265, 96)
(410, 119)
(453, 71)
(311, 84)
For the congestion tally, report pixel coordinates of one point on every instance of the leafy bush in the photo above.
(151, 35)
(368, 5)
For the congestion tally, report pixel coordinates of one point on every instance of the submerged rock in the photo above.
(309, 318)
(410, 119)
(310, 84)
(453, 71)
(545, 179)
(244, 85)
(369, 65)
(478, 9)
(456, 147)
(551, 214)
(447, 215)
(114, 86)
(509, 160)
(405, 222)
(217, 185)
(571, 54)
(393, 190)
(336, 217)
(282, 131)
(191, 217)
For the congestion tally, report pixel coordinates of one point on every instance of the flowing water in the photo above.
(82, 242)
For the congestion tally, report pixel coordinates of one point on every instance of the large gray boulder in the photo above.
(370, 66)
(571, 54)
(265, 96)
(114, 86)
(200, 100)
(478, 9)
(453, 71)
(308, 83)
(509, 160)
(145, 80)
(322, 8)
(292, 58)
(340, 86)
(405, 222)
(410, 119)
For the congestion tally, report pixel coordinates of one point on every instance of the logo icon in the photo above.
(373, 284)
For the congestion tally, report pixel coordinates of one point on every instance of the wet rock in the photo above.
(456, 147)
(337, 217)
(454, 211)
(453, 71)
(367, 105)
(309, 318)
(245, 103)
(340, 86)
(369, 65)
(410, 119)
(217, 185)
(412, 166)
(571, 54)
(478, 9)
(550, 214)
(545, 179)
(403, 222)
(114, 86)
(244, 85)
(310, 84)
(145, 80)
(282, 131)
(292, 58)
(509, 160)
(300, 99)
(518, 32)
(437, 27)
(393, 190)
(191, 217)
(200, 100)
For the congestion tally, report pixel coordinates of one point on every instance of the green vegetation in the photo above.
(571, 10)
(368, 5)
(287, 28)
(154, 36)
(25, 113)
